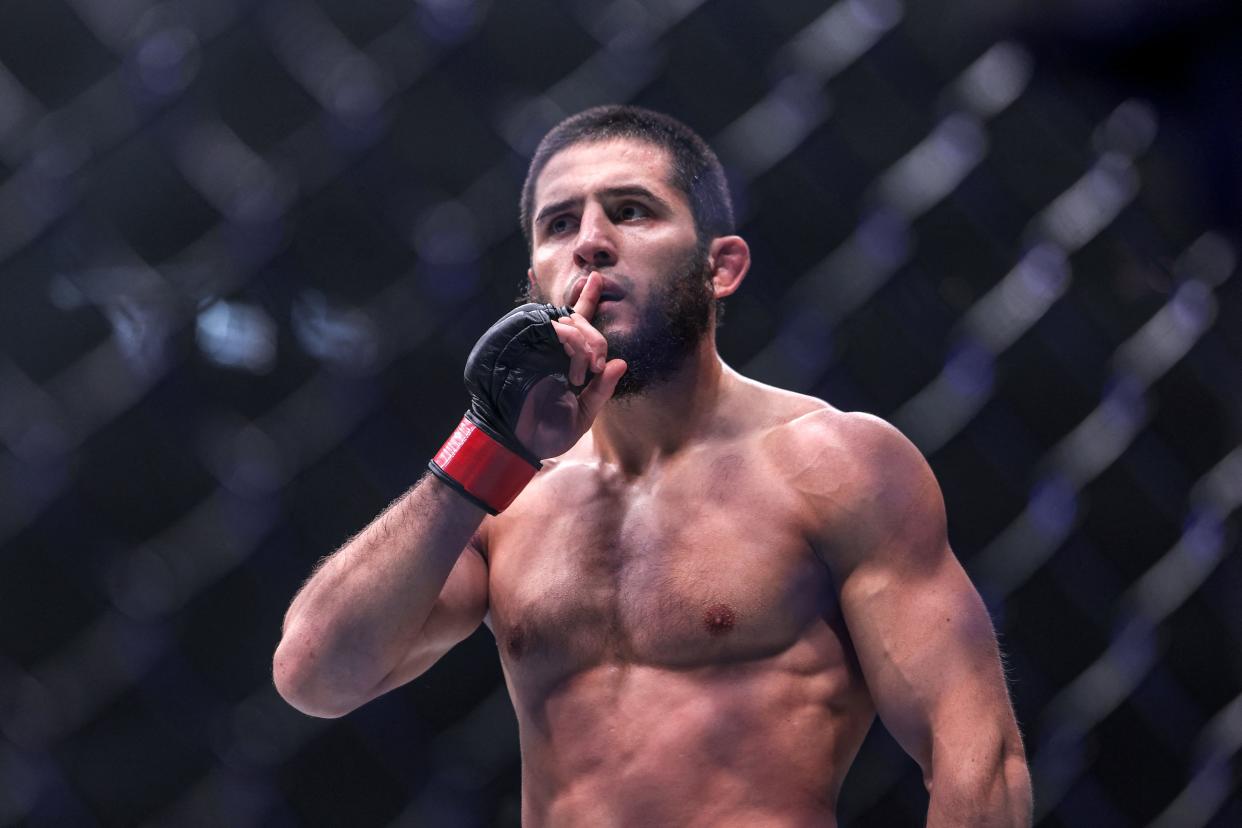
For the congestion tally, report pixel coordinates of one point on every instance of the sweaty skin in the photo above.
(710, 590)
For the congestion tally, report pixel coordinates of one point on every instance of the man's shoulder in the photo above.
(846, 461)
(812, 429)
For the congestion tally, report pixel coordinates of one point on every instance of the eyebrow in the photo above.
(610, 192)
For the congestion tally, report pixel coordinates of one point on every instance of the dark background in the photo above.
(245, 247)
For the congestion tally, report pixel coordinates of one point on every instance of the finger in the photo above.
(588, 300)
(601, 389)
(594, 340)
(581, 354)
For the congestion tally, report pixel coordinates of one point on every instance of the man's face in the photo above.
(608, 206)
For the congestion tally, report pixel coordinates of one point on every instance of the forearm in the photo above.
(981, 788)
(355, 619)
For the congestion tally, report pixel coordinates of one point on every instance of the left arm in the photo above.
(922, 634)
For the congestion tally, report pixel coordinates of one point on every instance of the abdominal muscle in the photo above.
(764, 743)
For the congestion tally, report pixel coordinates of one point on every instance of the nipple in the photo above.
(515, 642)
(718, 619)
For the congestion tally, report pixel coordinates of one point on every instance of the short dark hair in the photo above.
(695, 169)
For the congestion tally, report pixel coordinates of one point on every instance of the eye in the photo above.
(632, 211)
(559, 225)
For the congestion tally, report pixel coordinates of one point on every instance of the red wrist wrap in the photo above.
(482, 468)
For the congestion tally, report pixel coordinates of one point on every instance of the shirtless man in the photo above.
(712, 586)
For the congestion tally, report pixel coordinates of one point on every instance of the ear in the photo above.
(729, 258)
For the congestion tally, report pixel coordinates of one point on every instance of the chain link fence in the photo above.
(245, 246)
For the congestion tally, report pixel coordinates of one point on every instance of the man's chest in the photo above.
(710, 566)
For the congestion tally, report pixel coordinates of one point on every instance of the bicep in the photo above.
(458, 611)
(922, 634)
(926, 647)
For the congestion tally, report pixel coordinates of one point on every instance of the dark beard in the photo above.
(669, 328)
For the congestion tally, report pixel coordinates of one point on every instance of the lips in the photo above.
(610, 293)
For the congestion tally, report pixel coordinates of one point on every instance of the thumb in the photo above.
(600, 389)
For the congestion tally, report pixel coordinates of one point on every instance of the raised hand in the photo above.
(553, 416)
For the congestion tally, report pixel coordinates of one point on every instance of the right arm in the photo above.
(387, 605)
(382, 609)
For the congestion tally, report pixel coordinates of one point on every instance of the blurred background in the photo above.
(245, 246)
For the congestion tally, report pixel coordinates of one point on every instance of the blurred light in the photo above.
(1220, 490)
(773, 127)
(1208, 789)
(1020, 298)
(621, 25)
(449, 21)
(917, 181)
(843, 281)
(496, 186)
(230, 175)
(626, 25)
(1129, 130)
(140, 329)
(1169, 334)
(29, 202)
(142, 585)
(1222, 737)
(1053, 506)
(855, 270)
(667, 13)
(476, 748)
(140, 305)
(243, 457)
(236, 335)
(64, 294)
(611, 74)
(448, 234)
(206, 543)
(32, 424)
(1076, 216)
(258, 733)
(1213, 781)
(1104, 685)
(969, 370)
(1027, 543)
(111, 21)
(344, 338)
(806, 341)
(1103, 435)
(222, 796)
(57, 149)
(168, 59)
(995, 79)
(354, 89)
(1168, 584)
(75, 683)
(524, 121)
(1210, 259)
(942, 408)
(344, 80)
(26, 775)
(884, 239)
(17, 109)
(840, 35)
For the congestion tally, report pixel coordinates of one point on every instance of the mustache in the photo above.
(621, 280)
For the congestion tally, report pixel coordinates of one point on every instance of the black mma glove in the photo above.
(483, 460)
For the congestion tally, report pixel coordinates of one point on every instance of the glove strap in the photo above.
(481, 469)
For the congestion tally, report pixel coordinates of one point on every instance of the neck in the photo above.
(637, 431)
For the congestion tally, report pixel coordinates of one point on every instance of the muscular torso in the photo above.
(673, 643)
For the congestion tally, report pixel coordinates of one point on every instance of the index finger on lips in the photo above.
(588, 300)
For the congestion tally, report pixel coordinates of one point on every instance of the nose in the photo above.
(596, 245)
